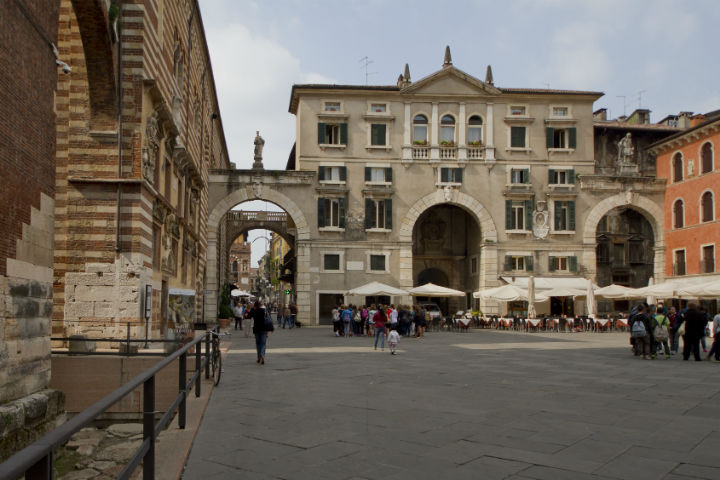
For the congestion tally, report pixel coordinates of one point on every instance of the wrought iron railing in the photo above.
(35, 462)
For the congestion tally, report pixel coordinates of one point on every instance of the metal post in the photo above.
(207, 354)
(43, 468)
(198, 363)
(149, 427)
(182, 380)
(127, 352)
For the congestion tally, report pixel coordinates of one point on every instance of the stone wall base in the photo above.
(25, 420)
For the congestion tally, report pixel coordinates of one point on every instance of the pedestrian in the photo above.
(347, 316)
(695, 322)
(379, 320)
(336, 320)
(715, 349)
(393, 316)
(371, 322)
(420, 321)
(278, 315)
(247, 321)
(261, 327)
(357, 322)
(393, 339)
(660, 332)
(640, 332)
(293, 315)
(238, 314)
(674, 330)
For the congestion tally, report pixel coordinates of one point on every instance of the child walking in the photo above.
(393, 340)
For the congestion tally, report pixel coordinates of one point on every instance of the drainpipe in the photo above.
(118, 245)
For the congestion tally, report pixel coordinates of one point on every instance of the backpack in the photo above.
(358, 317)
(638, 328)
(346, 316)
(660, 331)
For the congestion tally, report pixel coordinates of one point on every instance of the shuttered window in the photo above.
(517, 137)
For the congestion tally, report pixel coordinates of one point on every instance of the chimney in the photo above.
(684, 119)
(696, 120)
(406, 76)
(489, 76)
(600, 115)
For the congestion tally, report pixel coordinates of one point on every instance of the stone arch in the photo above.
(97, 37)
(216, 215)
(463, 200)
(653, 212)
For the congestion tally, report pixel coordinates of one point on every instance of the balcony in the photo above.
(420, 152)
(448, 152)
(475, 152)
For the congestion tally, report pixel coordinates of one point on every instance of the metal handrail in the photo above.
(36, 460)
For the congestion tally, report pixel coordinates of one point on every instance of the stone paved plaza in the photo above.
(478, 405)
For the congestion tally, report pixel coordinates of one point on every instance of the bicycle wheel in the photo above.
(216, 366)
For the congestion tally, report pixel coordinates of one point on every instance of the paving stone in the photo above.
(482, 404)
(125, 430)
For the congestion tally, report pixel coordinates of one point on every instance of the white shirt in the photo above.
(393, 316)
(394, 337)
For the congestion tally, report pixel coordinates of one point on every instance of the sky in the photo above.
(655, 54)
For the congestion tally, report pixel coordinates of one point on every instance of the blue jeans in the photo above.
(260, 343)
(380, 333)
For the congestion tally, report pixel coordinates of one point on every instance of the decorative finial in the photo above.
(406, 76)
(448, 58)
(259, 143)
(400, 80)
(489, 76)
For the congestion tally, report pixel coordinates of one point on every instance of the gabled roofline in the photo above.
(714, 119)
(451, 70)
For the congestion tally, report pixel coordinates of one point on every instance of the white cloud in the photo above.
(254, 76)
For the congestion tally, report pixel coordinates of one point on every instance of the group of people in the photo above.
(377, 320)
(655, 328)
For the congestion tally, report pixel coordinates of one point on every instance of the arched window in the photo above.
(678, 214)
(447, 129)
(475, 130)
(677, 167)
(707, 212)
(420, 125)
(706, 155)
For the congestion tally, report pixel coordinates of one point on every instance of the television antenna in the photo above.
(365, 61)
(639, 94)
(624, 104)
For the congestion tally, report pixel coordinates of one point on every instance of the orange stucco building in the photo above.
(688, 162)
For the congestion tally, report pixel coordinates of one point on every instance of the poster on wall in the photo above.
(181, 312)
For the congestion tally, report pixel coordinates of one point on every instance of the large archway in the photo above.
(216, 244)
(650, 211)
(478, 266)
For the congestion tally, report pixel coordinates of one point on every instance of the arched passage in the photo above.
(652, 212)
(486, 241)
(302, 233)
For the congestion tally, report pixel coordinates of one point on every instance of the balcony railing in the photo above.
(448, 153)
(420, 152)
(475, 152)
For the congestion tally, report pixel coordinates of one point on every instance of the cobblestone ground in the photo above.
(479, 405)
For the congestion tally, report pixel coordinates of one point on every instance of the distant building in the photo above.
(239, 271)
(688, 162)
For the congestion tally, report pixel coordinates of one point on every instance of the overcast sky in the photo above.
(659, 54)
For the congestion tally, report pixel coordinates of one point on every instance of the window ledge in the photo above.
(378, 230)
(331, 229)
(518, 232)
(387, 117)
(386, 148)
(332, 182)
(332, 146)
(518, 186)
(332, 115)
(447, 184)
(519, 119)
(562, 232)
(560, 120)
(561, 150)
(518, 149)
(332, 271)
(378, 184)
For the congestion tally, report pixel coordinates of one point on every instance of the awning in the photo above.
(546, 283)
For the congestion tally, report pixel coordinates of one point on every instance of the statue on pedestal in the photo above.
(259, 144)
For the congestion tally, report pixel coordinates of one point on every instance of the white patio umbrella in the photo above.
(239, 293)
(660, 290)
(590, 300)
(706, 290)
(531, 313)
(618, 292)
(432, 290)
(508, 293)
(563, 292)
(376, 288)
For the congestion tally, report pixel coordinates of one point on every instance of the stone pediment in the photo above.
(451, 81)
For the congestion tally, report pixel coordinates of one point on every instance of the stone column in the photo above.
(488, 277)
(407, 135)
(302, 283)
(490, 135)
(211, 278)
(434, 134)
(462, 141)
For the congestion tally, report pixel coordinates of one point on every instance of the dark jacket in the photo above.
(641, 317)
(259, 323)
(695, 322)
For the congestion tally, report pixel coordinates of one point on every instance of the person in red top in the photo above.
(380, 318)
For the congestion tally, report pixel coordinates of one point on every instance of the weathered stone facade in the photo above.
(131, 201)
(27, 161)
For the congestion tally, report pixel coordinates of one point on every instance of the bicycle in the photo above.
(215, 356)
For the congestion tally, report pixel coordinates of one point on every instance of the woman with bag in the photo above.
(379, 320)
(660, 332)
(715, 349)
(262, 324)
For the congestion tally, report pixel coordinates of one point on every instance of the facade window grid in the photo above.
(706, 158)
(678, 214)
(677, 167)
(707, 261)
(707, 207)
(420, 129)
